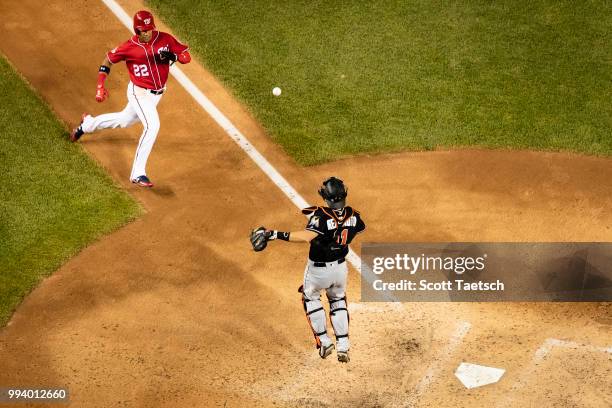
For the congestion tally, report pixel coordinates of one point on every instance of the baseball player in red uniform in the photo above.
(148, 56)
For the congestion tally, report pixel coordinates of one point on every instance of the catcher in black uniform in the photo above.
(329, 231)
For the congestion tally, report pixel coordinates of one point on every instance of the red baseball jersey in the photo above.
(147, 68)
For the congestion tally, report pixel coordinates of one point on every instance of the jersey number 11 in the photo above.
(343, 237)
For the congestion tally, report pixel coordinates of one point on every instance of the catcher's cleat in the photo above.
(325, 351)
(343, 356)
(142, 181)
(78, 131)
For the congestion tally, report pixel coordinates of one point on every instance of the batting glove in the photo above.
(101, 94)
(168, 55)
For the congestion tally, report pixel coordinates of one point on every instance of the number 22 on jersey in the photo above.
(141, 70)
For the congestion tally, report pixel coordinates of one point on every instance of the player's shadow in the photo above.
(107, 140)
(163, 191)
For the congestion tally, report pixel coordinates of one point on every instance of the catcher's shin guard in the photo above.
(315, 314)
(339, 317)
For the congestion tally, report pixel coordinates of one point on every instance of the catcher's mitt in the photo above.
(259, 239)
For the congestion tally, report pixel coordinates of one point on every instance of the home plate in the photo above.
(474, 375)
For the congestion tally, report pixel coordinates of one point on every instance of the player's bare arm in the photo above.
(301, 236)
(106, 62)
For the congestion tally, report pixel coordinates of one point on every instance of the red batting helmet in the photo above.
(143, 21)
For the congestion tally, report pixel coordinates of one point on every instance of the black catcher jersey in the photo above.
(336, 229)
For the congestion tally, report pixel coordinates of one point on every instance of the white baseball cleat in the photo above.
(325, 351)
(343, 356)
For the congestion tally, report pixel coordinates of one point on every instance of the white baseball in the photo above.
(276, 91)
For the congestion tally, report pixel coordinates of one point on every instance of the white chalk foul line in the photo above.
(539, 356)
(460, 332)
(550, 343)
(231, 130)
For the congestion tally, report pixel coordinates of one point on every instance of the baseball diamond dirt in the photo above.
(175, 310)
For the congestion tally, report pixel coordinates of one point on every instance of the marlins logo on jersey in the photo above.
(314, 222)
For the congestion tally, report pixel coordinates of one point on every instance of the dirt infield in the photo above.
(174, 310)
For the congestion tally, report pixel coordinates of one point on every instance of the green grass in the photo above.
(54, 199)
(392, 75)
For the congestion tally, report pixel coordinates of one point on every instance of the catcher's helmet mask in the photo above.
(334, 193)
